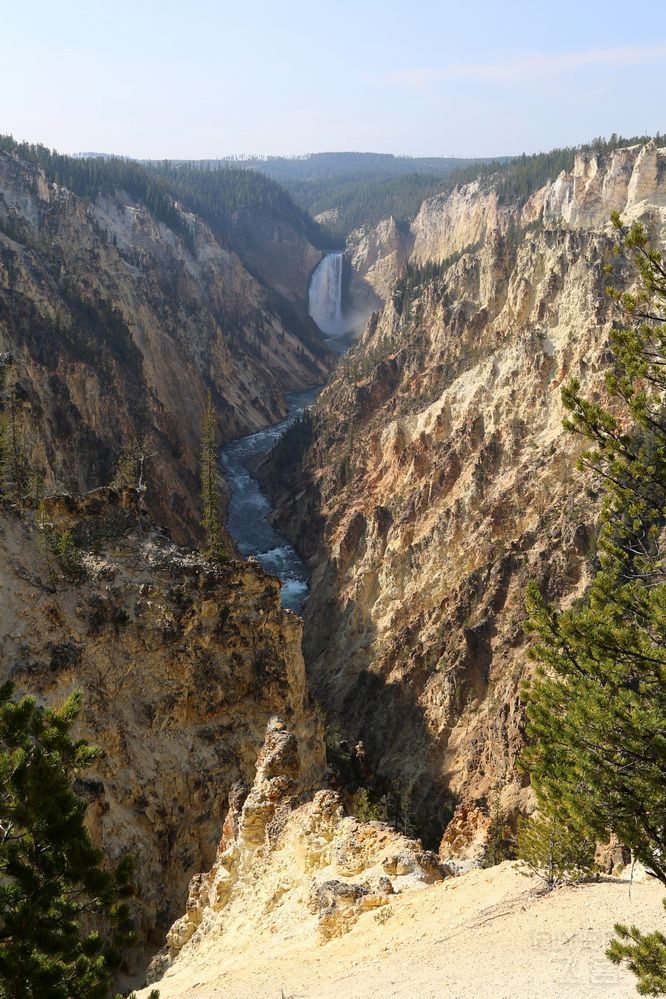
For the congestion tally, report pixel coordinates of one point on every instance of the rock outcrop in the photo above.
(583, 198)
(463, 219)
(289, 857)
(376, 254)
(435, 480)
(181, 665)
(302, 901)
(119, 325)
(488, 933)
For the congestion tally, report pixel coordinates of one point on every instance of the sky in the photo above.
(208, 78)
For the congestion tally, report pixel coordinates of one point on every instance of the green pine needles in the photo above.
(131, 464)
(214, 548)
(14, 464)
(597, 707)
(51, 879)
(645, 955)
(554, 850)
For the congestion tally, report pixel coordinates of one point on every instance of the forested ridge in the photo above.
(215, 193)
(212, 193)
(363, 188)
(318, 166)
(517, 179)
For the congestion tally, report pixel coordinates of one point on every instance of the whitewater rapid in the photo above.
(249, 509)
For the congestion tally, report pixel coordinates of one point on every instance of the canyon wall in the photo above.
(435, 479)
(181, 665)
(376, 254)
(449, 223)
(275, 252)
(119, 326)
(581, 199)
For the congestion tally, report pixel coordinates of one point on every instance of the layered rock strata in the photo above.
(180, 663)
(435, 479)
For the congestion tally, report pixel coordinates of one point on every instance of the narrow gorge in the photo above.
(312, 736)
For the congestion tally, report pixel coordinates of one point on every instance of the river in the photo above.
(249, 510)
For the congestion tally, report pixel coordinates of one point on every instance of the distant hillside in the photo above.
(359, 188)
(319, 166)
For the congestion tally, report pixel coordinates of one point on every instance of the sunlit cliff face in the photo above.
(439, 480)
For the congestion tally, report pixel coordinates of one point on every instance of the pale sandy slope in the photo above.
(484, 935)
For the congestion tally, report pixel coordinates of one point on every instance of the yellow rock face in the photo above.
(439, 481)
(180, 664)
(289, 856)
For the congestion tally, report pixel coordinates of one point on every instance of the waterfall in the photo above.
(325, 295)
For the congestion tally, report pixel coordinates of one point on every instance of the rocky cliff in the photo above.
(119, 324)
(449, 223)
(290, 858)
(376, 254)
(580, 199)
(181, 665)
(303, 901)
(435, 480)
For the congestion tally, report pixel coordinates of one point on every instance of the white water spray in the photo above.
(325, 295)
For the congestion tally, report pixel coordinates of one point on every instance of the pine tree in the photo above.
(597, 708)
(501, 842)
(131, 464)
(550, 847)
(210, 487)
(14, 468)
(645, 955)
(597, 712)
(51, 877)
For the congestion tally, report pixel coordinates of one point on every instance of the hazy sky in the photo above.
(205, 78)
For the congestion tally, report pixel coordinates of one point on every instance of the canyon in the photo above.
(405, 511)
(119, 325)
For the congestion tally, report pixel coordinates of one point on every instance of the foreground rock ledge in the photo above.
(485, 933)
(280, 853)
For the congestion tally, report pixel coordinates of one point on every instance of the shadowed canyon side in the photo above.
(119, 322)
(435, 480)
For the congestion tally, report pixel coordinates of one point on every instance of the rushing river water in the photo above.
(249, 509)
